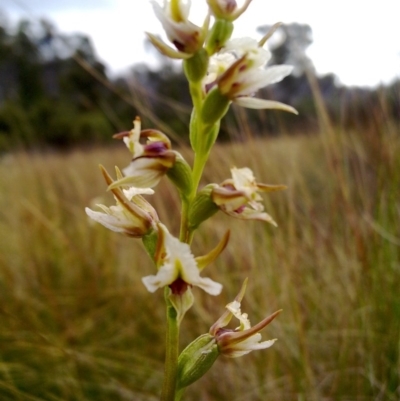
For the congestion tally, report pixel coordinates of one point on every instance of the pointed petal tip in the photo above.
(257, 103)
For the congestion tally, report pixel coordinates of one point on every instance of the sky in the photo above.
(356, 40)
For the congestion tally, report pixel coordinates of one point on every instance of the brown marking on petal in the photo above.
(222, 331)
(239, 336)
(156, 136)
(209, 86)
(179, 287)
(155, 148)
(180, 46)
(230, 6)
(240, 209)
(121, 135)
(229, 186)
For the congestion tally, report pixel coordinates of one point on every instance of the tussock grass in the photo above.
(77, 323)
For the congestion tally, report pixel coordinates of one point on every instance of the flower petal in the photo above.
(257, 103)
(178, 262)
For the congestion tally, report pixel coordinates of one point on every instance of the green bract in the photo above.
(215, 107)
(202, 207)
(150, 243)
(181, 175)
(196, 66)
(219, 35)
(196, 359)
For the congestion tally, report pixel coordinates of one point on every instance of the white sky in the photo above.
(357, 40)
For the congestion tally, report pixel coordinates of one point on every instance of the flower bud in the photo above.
(196, 359)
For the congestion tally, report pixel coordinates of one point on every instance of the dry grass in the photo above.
(77, 323)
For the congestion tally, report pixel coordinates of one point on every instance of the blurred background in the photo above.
(76, 323)
(67, 68)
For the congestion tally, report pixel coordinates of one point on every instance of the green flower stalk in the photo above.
(220, 71)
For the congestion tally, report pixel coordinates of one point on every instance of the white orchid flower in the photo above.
(239, 196)
(243, 339)
(178, 268)
(132, 215)
(187, 37)
(239, 70)
(151, 160)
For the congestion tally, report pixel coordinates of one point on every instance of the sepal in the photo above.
(205, 260)
(166, 50)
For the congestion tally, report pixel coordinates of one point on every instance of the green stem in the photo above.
(200, 160)
(184, 221)
(172, 351)
(179, 394)
(196, 95)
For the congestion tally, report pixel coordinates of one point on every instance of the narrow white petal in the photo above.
(276, 73)
(133, 191)
(165, 276)
(257, 103)
(109, 221)
(209, 286)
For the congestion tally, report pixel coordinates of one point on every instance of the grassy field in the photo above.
(76, 323)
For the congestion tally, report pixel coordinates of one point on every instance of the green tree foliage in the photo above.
(52, 90)
(55, 92)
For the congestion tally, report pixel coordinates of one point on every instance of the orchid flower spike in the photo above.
(239, 196)
(243, 339)
(132, 215)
